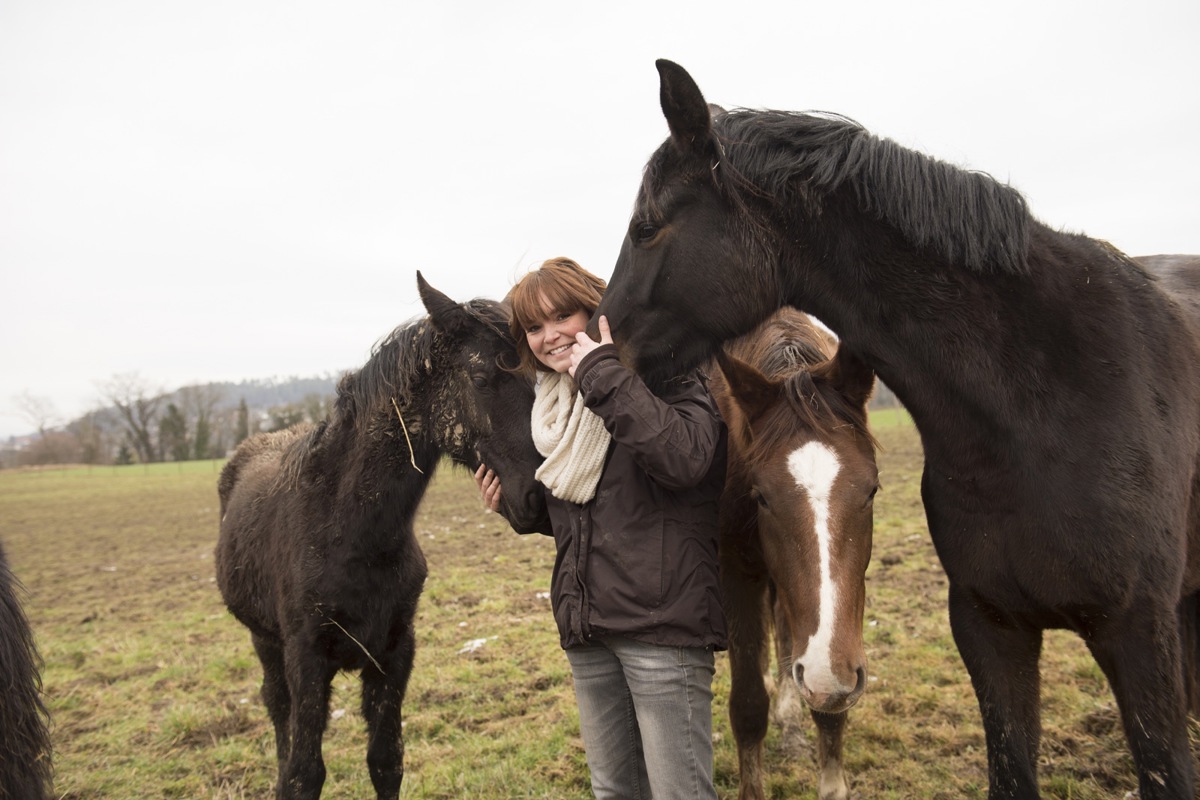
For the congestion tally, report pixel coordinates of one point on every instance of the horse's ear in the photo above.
(683, 105)
(752, 390)
(850, 375)
(444, 312)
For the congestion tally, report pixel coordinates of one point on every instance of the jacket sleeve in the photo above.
(673, 438)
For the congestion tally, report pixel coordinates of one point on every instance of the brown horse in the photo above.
(317, 555)
(796, 524)
(1054, 380)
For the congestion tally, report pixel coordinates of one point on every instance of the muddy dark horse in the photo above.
(25, 766)
(317, 555)
(1055, 383)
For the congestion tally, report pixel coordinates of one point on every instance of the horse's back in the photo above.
(250, 524)
(256, 462)
(1179, 277)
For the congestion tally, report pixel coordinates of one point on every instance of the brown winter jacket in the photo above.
(640, 559)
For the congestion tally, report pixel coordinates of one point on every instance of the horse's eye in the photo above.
(645, 231)
(758, 498)
(480, 381)
(871, 496)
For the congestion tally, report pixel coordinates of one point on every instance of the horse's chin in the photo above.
(659, 366)
(524, 518)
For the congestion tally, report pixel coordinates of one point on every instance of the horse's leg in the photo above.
(832, 784)
(1002, 660)
(1140, 655)
(789, 705)
(749, 704)
(382, 697)
(275, 694)
(308, 678)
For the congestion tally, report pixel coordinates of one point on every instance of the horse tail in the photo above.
(1189, 635)
(25, 765)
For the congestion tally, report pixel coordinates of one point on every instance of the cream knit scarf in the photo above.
(571, 437)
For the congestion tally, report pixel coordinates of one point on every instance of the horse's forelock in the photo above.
(817, 405)
(494, 315)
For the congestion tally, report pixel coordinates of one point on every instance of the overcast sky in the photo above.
(228, 190)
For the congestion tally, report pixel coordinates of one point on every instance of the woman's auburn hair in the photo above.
(566, 287)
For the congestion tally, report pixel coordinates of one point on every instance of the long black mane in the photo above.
(784, 157)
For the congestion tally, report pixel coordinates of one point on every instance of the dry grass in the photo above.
(153, 686)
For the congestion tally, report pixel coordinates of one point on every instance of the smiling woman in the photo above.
(631, 481)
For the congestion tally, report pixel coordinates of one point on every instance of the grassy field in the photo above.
(153, 686)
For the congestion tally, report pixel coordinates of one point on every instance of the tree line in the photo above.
(137, 423)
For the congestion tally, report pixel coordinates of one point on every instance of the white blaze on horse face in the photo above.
(815, 467)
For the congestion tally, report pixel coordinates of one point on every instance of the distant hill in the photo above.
(265, 393)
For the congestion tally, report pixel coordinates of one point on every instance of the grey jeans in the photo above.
(645, 713)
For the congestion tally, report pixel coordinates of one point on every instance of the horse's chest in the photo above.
(1048, 566)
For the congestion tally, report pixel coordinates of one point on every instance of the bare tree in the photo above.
(137, 405)
(37, 411)
(95, 445)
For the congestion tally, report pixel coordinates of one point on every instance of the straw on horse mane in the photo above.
(385, 383)
(399, 360)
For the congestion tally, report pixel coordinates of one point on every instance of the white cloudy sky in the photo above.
(231, 189)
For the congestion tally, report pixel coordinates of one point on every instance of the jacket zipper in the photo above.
(583, 541)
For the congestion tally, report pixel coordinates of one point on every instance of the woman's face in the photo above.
(552, 337)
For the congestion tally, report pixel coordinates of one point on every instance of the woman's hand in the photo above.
(489, 487)
(585, 344)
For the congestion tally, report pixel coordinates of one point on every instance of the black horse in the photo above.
(317, 555)
(25, 765)
(1055, 383)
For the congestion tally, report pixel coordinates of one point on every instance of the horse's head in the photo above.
(690, 273)
(481, 408)
(802, 450)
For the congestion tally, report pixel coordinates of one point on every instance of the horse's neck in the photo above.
(959, 348)
(381, 469)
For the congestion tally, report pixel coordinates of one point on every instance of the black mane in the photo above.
(400, 360)
(967, 217)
